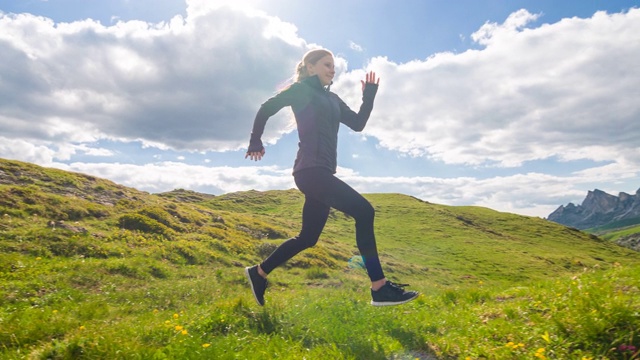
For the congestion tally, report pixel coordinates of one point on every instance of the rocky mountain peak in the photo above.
(598, 208)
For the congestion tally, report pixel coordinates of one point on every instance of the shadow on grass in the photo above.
(413, 341)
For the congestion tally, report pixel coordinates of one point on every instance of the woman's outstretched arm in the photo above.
(269, 108)
(357, 120)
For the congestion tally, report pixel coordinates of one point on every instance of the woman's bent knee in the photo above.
(366, 213)
(307, 241)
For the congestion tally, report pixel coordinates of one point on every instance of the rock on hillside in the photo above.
(630, 241)
(597, 209)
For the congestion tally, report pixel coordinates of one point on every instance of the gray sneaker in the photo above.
(392, 294)
(257, 282)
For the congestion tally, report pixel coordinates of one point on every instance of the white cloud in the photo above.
(44, 153)
(566, 90)
(26, 151)
(492, 32)
(355, 47)
(192, 83)
(166, 176)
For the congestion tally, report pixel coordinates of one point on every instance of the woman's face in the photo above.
(324, 68)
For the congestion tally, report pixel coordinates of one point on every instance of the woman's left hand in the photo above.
(370, 79)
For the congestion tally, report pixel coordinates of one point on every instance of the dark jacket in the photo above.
(318, 113)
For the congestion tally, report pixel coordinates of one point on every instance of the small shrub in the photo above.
(315, 273)
(142, 223)
(62, 244)
(126, 269)
(215, 232)
(265, 249)
(159, 272)
(158, 214)
(188, 253)
(7, 213)
(29, 194)
(220, 246)
(75, 212)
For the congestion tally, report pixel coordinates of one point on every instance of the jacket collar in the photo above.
(315, 83)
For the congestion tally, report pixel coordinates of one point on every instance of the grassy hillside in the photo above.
(448, 245)
(624, 233)
(92, 269)
(616, 231)
(613, 226)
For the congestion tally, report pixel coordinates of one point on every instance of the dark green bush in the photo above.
(127, 269)
(158, 214)
(145, 224)
(62, 245)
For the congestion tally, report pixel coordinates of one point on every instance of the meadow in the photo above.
(93, 270)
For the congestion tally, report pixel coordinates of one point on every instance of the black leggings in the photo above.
(323, 191)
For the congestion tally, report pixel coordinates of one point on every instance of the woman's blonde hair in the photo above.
(311, 57)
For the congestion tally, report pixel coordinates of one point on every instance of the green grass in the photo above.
(130, 275)
(616, 225)
(622, 232)
(103, 308)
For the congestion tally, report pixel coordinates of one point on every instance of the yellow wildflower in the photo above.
(514, 346)
(179, 328)
(540, 354)
(204, 346)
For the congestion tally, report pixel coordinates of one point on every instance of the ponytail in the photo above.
(301, 71)
(311, 57)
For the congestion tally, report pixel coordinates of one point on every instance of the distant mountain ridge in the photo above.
(598, 209)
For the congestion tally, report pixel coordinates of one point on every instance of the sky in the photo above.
(516, 105)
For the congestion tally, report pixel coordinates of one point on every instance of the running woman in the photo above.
(318, 113)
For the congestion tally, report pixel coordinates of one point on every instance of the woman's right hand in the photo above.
(255, 155)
